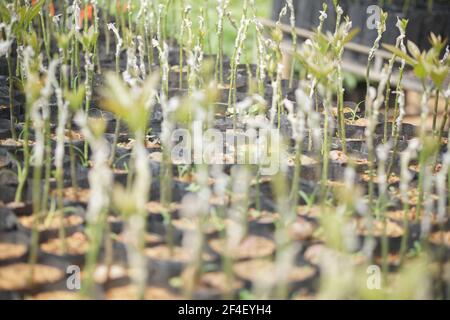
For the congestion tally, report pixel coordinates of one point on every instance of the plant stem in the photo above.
(440, 134)
(62, 230)
(258, 190)
(395, 127)
(117, 127)
(371, 160)
(95, 232)
(47, 166)
(11, 98)
(422, 156)
(181, 63)
(296, 179)
(435, 111)
(405, 236)
(341, 117)
(73, 173)
(422, 165)
(386, 111)
(77, 62)
(326, 147)
(37, 173)
(44, 36)
(106, 32)
(166, 185)
(115, 141)
(444, 121)
(26, 153)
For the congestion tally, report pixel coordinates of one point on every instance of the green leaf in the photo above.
(31, 39)
(75, 98)
(399, 53)
(116, 96)
(130, 106)
(413, 49)
(420, 71)
(63, 39)
(438, 75)
(404, 23)
(33, 12)
(21, 14)
(351, 35)
(4, 12)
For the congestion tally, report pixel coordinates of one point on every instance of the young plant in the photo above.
(319, 59)
(100, 182)
(31, 64)
(76, 25)
(119, 44)
(201, 212)
(88, 40)
(221, 12)
(163, 51)
(236, 57)
(401, 25)
(275, 67)
(293, 38)
(426, 65)
(342, 35)
(381, 28)
(400, 98)
(286, 248)
(237, 214)
(405, 180)
(261, 54)
(374, 100)
(444, 120)
(442, 187)
(17, 23)
(195, 59)
(75, 98)
(5, 50)
(382, 152)
(63, 116)
(298, 123)
(134, 105)
(132, 73)
(186, 25)
(39, 113)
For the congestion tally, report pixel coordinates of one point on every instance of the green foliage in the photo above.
(319, 56)
(426, 64)
(24, 16)
(63, 39)
(88, 38)
(75, 97)
(129, 104)
(32, 12)
(4, 12)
